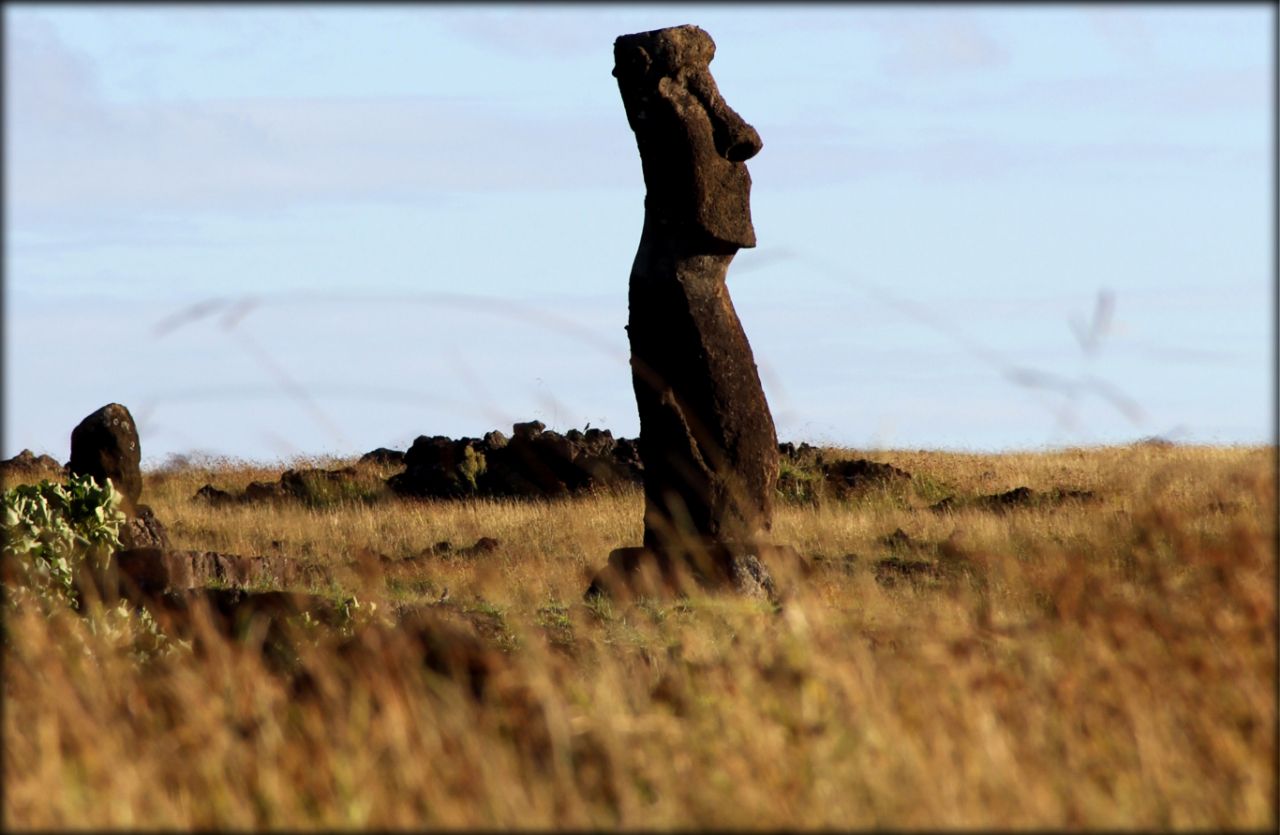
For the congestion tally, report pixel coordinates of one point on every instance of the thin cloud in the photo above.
(927, 43)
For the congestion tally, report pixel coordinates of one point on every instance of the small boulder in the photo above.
(858, 474)
(264, 491)
(26, 465)
(484, 545)
(213, 496)
(527, 431)
(143, 531)
(440, 467)
(383, 457)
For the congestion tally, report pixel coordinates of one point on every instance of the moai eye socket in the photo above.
(631, 62)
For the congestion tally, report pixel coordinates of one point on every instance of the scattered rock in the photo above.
(639, 572)
(527, 431)
(264, 491)
(534, 462)
(105, 445)
(443, 645)
(143, 531)
(846, 563)
(483, 545)
(751, 578)
(792, 452)
(272, 618)
(889, 571)
(157, 570)
(383, 457)
(1018, 497)
(311, 485)
(213, 496)
(440, 467)
(859, 474)
(897, 539)
(26, 465)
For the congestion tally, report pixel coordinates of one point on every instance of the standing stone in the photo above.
(105, 445)
(707, 439)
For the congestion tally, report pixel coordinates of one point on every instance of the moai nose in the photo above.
(744, 141)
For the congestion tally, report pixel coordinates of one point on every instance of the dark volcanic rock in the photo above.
(1018, 497)
(849, 476)
(143, 531)
(897, 539)
(889, 571)
(271, 618)
(26, 464)
(534, 462)
(707, 437)
(264, 491)
(308, 482)
(383, 456)
(483, 545)
(440, 467)
(421, 633)
(105, 445)
(158, 570)
(640, 572)
(527, 431)
(212, 495)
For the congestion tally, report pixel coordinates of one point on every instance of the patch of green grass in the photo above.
(929, 489)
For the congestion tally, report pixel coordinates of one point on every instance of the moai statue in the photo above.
(105, 445)
(707, 440)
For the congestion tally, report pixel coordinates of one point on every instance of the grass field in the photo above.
(1100, 663)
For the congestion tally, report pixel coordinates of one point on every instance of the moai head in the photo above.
(693, 146)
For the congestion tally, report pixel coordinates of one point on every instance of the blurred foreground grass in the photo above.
(1107, 663)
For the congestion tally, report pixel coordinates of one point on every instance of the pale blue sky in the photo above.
(408, 220)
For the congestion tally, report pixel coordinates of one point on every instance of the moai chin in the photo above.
(707, 439)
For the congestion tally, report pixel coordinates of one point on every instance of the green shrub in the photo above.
(51, 529)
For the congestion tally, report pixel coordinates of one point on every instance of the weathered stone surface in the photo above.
(446, 645)
(143, 531)
(307, 484)
(26, 464)
(1018, 497)
(264, 491)
(158, 570)
(440, 467)
(271, 618)
(212, 495)
(534, 462)
(641, 572)
(850, 476)
(707, 439)
(384, 457)
(105, 445)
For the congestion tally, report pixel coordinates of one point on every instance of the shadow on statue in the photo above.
(707, 439)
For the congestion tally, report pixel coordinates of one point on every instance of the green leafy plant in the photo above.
(472, 466)
(51, 529)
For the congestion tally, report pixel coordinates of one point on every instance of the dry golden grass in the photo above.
(1099, 664)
